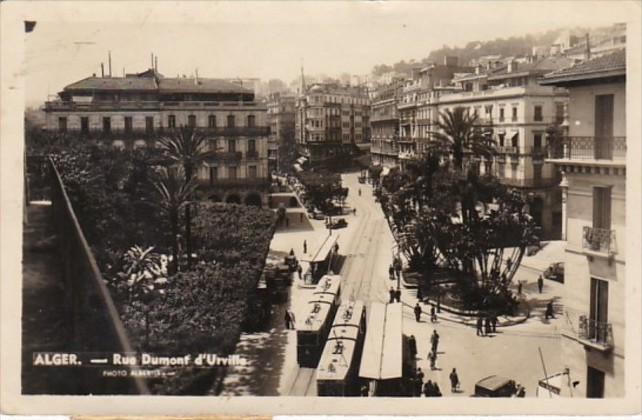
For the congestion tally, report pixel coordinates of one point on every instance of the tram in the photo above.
(313, 331)
(337, 372)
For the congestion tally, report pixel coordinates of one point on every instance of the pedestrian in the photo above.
(432, 356)
(429, 389)
(454, 381)
(433, 314)
(292, 252)
(288, 320)
(354, 211)
(418, 312)
(393, 295)
(540, 283)
(420, 294)
(420, 375)
(487, 326)
(305, 246)
(493, 323)
(436, 390)
(292, 319)
(412, 344)
(336, 248)
(359, 192)
(509, 264)
(398, 272)
(391, 272)
(398, 295)
(434, 341)
(519, 288)
(299, 270)
(549, 310)
(480, 324)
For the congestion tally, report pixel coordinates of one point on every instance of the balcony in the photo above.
(227, 157)
(508, 150)
(101, 105)
(598, 241)
(593, 334)
(252, 155)
(589, 149)
(538, 153)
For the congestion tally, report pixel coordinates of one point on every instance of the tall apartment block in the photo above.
(592, 159)
(384, 123)
(135, 110)
(331, 121)
(280, 113)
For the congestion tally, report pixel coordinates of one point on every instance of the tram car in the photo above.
(337, 372)
(313, 331)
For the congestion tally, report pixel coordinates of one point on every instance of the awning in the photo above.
(322, 252)
(297, 167)
(382, 350)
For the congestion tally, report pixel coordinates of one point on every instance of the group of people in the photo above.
(486, 326)
(395, 295)
(418, 311)
(428, 389)
(394, 270)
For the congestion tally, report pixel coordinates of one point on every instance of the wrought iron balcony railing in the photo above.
(589, 148)
(595, 333)
(508, 150)
(599, 240)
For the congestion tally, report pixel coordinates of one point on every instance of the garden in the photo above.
(181, 271)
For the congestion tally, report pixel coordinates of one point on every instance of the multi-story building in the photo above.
(133, 111)
(331, 120)
(417, 112)
(280, 113)
(384, 123)
(592, 159)
(517, 111)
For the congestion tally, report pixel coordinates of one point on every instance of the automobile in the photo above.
(496, 386)
(555, 272)
(337, 224)
(317, 215)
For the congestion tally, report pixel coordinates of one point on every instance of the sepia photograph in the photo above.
(423, 203)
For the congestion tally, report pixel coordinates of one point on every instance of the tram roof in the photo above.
(329, 284)
(317, 312)
(382, 351)
(334, 365)
(320, 253)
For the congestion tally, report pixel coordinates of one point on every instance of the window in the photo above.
(128, 124)
(230, 121)
(538, 113)
(106, 124)
(211, 121)
(515, 140)
(62, 124)
(501, 139)
(231, 145)
(251, 171)
(599, 310)
(171, 121)
(191, 121)
(251, 121)
(501, 114)
(514, 115)
(231, 171)
(149, 124)
(501, 170)
(559, 112)
(213, 174)
(602, 207)
(84, 125)
(537, 142)
(251, 146)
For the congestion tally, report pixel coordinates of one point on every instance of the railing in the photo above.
(595, 332)
(100, 105)
(589, 148)
(145, 133)
(508, 150)
(94, 319)
(599, 240)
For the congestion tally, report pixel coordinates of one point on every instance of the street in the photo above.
(367, 244)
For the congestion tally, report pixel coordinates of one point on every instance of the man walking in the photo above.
(305, 246)
(391, 272)
(480, 324)
(288, 320)
(433, 314)
(540, 283)
(432, 356)
(519, 288)
(454, 381)
(398, 295)
(549, 310)
(493, 323)
(434, 341)
(392, 295)
(299, 270)
(418, 312)
(487, 326)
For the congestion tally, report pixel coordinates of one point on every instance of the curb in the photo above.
(510, 322)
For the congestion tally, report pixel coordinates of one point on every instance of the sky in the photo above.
(273, 39)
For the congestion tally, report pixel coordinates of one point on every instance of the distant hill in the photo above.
(505, 47)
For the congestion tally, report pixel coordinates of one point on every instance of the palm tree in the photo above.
(188, 148)
(175, 192)
(457, 133)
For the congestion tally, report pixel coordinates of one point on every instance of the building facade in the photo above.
(280, 112)
(592, 159)
(135, 110)
(517, 112)
(384, 123)
(331, 120)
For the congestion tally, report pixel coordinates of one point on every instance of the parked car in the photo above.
(317, 215)
(337, 224)
(495, 386)
(555, 272)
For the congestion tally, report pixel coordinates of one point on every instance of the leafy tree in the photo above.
(188, 148)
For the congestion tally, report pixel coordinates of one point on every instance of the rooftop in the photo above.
(608, 65)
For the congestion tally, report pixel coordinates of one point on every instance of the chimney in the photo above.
(102, 70)
(109, 56)
(512, 66)
(152, 65)
(196, 77)
(156, 63)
